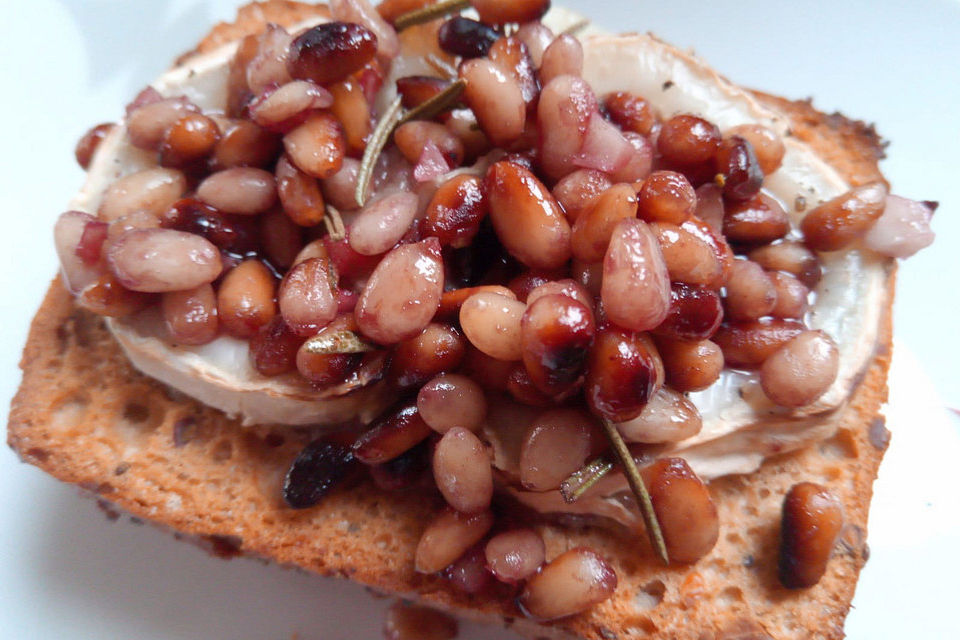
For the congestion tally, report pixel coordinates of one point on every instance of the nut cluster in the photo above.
(531, 243)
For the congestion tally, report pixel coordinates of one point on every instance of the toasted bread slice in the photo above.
(86, 416)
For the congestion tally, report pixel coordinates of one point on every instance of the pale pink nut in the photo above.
(571, 583)
(564, 56)
(306, 298)
(801, 370)
(381, 224)
(292, 100)
(452, 400)
(564, 111)
(241, 190)
(668, 417)
(557, 444)
(497, 100)
(491, 323)
(461, 468)
(636, 285)
(152, 190)
(515, 555)
(158, 260)
(448, 536)
(403, 293)
(902, 229)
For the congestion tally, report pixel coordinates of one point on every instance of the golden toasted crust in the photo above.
(84, 415)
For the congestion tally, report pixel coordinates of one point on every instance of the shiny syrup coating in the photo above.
(330, 52)
(622, 374)
(811, 521)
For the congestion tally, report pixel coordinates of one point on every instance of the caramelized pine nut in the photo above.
(498, 12)
(242, 190)
(791, 296)
(812, 520)
(574, 581)
(688, 140)
(748, 344)
(159, 260)
(330, 52)
(668, 417)
(190, 139)
(105, 296)
(412, 137)
(801, 370)
(569, 288)
(684, 508)
(191, 316)
(244, 144)
(564, 56)
(447, 538)
(566, 105)
(556, 332)
(556, 444)
(452, 400)
(87, 145)
(791, 257)
(526, 217)
(689, 259)
(245, 300)
(461, 468)
(438, 348)
(636, 285)
(456, 210)
(351, 108)
(592, 230)
(750, 292)
(317, 146)
(153, 190)
(466, 38)
(306, 297)
(403, 293)
(738, 168)
(515, 555)
(381, 224)
(492, 323)
(273, 349)
(399, 430)
(767, 145)
(631, 112)
(299, 194)
(497, 100)
(690, 366)
(623, 372)
(577, 192)
(695, 313)
(759, 220)
(835, 224)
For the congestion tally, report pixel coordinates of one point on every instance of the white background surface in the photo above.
(66, 573)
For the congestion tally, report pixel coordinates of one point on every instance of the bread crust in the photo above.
(85, 416)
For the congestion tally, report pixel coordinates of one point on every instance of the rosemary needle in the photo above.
(378, 140)
(583, 479)
(639, 490)
(429, 13)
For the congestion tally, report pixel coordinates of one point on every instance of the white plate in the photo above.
(68, 573)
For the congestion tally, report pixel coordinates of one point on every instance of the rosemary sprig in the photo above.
(583, 479)
(393, 117)
(429, 13)
(639, 490)
(378, 140)
(437, 104)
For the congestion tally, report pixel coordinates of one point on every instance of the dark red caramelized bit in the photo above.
(835, 224)
(237, 235)
(758, 220)
(812, 520)
(695, 313)
(408, 471)
(466, 38)
(273, 349)
(630, 112)
(687, 140)
(438, 348)
(556, 334)
(315, 472)
(573, 582)
(456, 210)
(748, 344)
(623, 373)
(330, 52)
(397, 431)
(738, 169)
(684, 508)
(90, 142)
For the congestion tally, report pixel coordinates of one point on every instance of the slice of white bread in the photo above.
(86, 416)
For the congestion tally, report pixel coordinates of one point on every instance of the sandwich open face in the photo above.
(564, 332)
